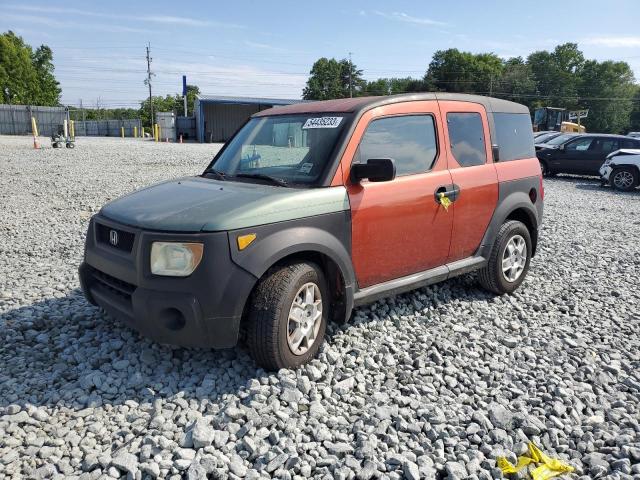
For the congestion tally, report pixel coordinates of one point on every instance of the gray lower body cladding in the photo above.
(206, 308)
(202, 310)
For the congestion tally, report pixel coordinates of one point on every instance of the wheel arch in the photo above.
(304, 243)
(514, 204)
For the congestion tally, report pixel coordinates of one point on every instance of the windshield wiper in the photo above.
(217, 173)
(262, 176)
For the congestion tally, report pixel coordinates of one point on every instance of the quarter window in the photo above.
(409, 140)
(466, 136)
(515, 136)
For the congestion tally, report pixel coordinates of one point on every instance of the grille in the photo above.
(114, 285)
(125, 239)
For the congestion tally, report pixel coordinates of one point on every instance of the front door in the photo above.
(398, 227)
(573, 157)
(472, 172)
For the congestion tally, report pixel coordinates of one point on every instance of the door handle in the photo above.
(450, 191)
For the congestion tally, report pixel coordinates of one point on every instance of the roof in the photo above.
(246, 100)
(359, 104)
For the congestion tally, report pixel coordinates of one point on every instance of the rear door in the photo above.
(398, 228)
(598, 150)
(472, 172)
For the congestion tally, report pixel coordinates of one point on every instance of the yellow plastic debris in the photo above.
(444, 201)
(549, 468)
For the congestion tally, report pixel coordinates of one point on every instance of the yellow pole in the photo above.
(34, 126)
(34, 130)
(135, 132)
(142, 132)
(155, 132)
(122, 132)
(73, 129)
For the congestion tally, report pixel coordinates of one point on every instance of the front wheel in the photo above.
(509, 259)
(288, 315)
(624, 179)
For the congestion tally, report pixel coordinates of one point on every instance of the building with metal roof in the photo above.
(218, 117)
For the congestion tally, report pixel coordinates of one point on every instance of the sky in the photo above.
(266, 48)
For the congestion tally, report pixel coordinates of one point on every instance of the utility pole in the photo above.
(148, 80)
(82, 110)
(491, 85)
(350, 78)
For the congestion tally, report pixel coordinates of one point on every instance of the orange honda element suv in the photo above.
(314, 208)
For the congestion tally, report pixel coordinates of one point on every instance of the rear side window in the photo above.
(514, 135)
(628, 143)
(604, 145)
(410, 140)
(466, 137)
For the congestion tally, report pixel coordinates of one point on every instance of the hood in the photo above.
(196, 204)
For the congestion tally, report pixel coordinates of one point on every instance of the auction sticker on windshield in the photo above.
(322, 122)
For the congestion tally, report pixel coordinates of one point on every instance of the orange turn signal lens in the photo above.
(245, 240)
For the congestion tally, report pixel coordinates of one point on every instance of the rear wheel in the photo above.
(288, 315)
(509, 259)
(624, 179)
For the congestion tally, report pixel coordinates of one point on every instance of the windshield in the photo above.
(286, 149)
(560, 139)
(545, 137)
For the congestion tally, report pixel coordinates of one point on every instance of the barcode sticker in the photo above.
(322, 122)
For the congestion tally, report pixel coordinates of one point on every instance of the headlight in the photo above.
(175, 259)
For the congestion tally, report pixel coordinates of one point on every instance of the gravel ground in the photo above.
(433, 384)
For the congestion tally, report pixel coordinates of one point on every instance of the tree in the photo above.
(556, 75)
(392, 86)
(635, 113)
(26, 77)
(608, 90)
(516, 83)
(463, 72)
(329, 78)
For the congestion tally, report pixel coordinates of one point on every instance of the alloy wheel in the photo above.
(623, 179)
(305, 318)
(514, 258)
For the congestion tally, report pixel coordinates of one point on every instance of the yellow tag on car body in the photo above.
(444, 201)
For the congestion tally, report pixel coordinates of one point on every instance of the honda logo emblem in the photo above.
(113, 237)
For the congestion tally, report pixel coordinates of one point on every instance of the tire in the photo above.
(70, 145)
(55, 145)
(544, 168)
(624, 179)
(492, 277)
(268, 321)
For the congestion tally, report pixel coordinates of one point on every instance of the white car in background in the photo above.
(621, 169)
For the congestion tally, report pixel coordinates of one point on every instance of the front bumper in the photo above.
(605, 171)
(202, 310)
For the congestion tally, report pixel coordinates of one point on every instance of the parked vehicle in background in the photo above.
(538, 134)
(633, 134)
(547, 136)
(314, 208)
(555, 141)
(621, 169)
(581, 154)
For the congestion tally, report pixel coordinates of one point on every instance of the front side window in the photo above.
(292, 149)
(579, 145)
(410, 140)
(466, 136)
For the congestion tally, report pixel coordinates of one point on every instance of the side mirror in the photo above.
(562, 147)
(375, 170)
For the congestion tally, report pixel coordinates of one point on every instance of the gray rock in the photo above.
(125, 462)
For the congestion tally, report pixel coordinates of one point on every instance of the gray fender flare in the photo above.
(516, 200)
(274, 244)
